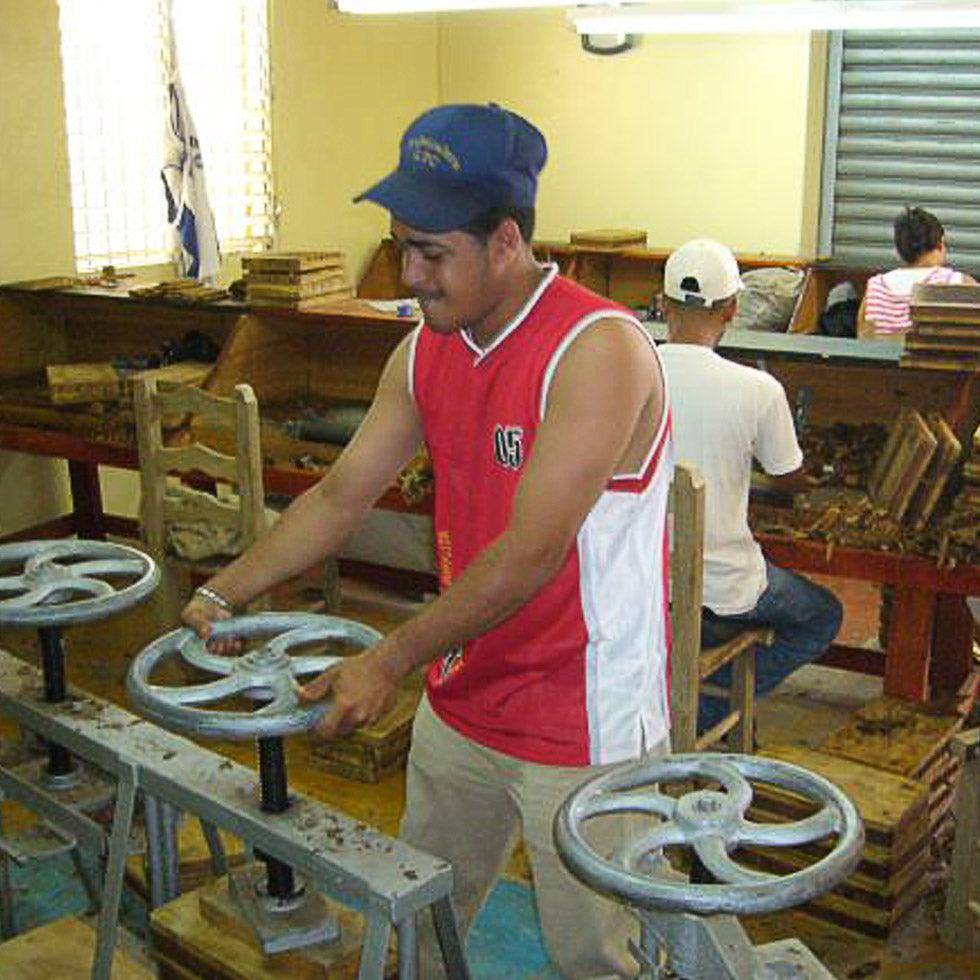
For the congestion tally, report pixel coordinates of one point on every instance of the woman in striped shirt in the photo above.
(920, 241)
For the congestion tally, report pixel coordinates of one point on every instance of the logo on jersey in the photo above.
(451, 663)
(508, 446)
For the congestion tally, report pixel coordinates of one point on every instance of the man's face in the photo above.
(450, 273)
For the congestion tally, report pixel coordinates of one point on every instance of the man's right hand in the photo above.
(200, 615)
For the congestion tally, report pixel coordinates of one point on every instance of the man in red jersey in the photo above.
(544, 410)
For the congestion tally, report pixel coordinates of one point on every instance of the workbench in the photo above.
(334, 353)
(341, 351)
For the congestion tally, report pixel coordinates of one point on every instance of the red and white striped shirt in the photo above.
(577, 675)
(888, 295)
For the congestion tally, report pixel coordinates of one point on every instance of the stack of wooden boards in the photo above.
(73, 384)
(914, 467)
(186, 291)
(610, 238)
(894, 761)
(945, 334)
(296, 280)
(371, 753)
(969, 495)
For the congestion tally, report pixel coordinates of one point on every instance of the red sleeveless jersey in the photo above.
(577, 675)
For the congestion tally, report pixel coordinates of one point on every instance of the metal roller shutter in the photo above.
(902, 128)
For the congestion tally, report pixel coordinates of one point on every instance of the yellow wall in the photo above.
(35, 213)
(343, 91)
(683, 136)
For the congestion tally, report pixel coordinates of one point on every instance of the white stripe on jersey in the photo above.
(624, 606)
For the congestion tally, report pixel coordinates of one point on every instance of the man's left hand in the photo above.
(363, 688)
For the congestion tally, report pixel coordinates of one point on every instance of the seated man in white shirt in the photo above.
(725, 415)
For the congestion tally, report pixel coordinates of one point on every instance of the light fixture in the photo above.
(727, 16)
(437, 6)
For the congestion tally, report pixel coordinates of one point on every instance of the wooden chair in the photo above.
(166, 501)
(690, 663)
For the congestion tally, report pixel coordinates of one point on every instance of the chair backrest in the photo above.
(691, 664)
(162, 504)
(686, 591)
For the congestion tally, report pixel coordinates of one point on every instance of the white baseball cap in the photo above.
(702, 272)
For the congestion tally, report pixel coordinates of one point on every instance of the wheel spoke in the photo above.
(298, 636)
(108, 566)
(284, 699)
(312, 665)
(736, 785)
(13, 583)
(639, 851)
(40, 594)
(25, 601)
(94, 586)
(715, 858)
(643, 802)
(226, 687)
(196, 653)
(821, 824)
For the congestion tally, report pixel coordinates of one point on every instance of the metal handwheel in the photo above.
(268, 673)
(70, 581)
(712, 823)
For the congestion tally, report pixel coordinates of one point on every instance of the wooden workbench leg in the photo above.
(952, 645)
(86, 495)
(910, 644)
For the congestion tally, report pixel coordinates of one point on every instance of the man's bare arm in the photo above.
(318, 522)
(600, 389)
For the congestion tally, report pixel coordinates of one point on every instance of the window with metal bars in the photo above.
(901, 129)
(113, 56)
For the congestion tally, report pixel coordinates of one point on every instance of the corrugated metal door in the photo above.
(902, 128)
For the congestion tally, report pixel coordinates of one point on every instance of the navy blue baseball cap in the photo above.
(458, 161)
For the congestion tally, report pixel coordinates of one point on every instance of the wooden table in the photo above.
(84, 456)
(929, 647)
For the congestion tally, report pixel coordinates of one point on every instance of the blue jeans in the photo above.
(805, 617)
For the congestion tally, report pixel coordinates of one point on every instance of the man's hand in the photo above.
(200, 615)
(364, 687)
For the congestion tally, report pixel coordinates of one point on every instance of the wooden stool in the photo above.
(689, 663)
(63, 949)
(202, 936)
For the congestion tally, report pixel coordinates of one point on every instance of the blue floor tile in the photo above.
(505, 941)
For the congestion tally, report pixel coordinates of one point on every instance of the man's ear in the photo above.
(506, 242)
(728, 310)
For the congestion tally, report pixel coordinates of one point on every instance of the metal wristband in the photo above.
(215, 597)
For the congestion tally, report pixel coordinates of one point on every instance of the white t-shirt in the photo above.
(724, 414)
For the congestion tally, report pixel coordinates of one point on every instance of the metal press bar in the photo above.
(357, 865)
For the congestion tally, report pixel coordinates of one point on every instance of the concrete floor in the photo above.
(805, 709)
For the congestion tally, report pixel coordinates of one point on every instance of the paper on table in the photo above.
(408, 307)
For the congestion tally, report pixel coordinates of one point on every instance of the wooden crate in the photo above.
(908, 740)
(201, 936)
(889, 879)
(63, 949)
(373, 752)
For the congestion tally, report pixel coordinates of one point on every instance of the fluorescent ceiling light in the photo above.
(434, 6)
(703, 17)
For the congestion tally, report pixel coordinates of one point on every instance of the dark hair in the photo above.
(917, 232)
(486, 223)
